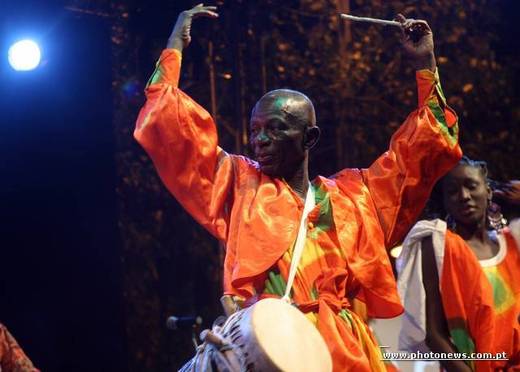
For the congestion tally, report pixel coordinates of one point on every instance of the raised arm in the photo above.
(181, 138)
(423, 149)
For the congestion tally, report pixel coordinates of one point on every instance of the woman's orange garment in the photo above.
(12, 357)
(257, 217)
(481, 301)
(504, 279)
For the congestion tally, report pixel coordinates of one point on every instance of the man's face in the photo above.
(466, 194)
(277, 139)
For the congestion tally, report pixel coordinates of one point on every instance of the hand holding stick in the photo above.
(416, 38)
(417, 42)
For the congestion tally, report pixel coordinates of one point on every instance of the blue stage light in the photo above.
(24, 55)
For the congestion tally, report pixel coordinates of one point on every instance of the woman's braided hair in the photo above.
(435, 206)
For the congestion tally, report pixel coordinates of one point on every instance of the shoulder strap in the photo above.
(300, 241)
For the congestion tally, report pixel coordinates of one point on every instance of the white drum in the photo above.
(268, 336)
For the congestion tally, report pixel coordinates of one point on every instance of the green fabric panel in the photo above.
(500, 293)
(463, 342)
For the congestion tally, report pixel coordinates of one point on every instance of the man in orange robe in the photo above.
(254, 207)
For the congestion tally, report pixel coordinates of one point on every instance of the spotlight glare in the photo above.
(24, 55)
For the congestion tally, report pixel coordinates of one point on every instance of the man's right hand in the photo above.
(180, 36)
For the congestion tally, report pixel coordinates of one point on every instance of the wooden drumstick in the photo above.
(371, 20)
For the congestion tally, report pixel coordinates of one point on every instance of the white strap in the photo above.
(300, 242)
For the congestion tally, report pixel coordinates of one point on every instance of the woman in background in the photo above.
(459, 280)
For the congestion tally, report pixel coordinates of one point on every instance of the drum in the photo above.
(268, 336)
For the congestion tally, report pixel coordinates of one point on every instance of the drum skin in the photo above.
(275, 336)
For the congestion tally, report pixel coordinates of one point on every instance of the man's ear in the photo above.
(312, 135)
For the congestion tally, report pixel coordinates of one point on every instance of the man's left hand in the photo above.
(417, 42)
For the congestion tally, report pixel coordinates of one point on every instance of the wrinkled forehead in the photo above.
(290, 109)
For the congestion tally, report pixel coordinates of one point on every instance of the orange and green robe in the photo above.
(12, 357)
(256, 217)
(481, 299)
(503, 273)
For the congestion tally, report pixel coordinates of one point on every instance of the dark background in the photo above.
(94, 252)
(60, 266)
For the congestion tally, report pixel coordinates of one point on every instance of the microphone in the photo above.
(182, 322)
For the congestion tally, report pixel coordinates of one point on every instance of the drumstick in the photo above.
(371, 20)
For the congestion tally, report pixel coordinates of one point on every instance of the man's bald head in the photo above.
(294, 105)
(283, 129)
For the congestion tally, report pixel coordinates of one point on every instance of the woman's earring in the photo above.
(495, 217)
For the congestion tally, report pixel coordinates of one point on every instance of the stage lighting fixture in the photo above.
(24, 55)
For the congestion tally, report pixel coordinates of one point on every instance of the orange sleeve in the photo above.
(181, 139)
(422, 150)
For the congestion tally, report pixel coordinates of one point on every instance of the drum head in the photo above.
(290, 340)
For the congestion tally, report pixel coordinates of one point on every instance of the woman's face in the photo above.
(466, 194)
